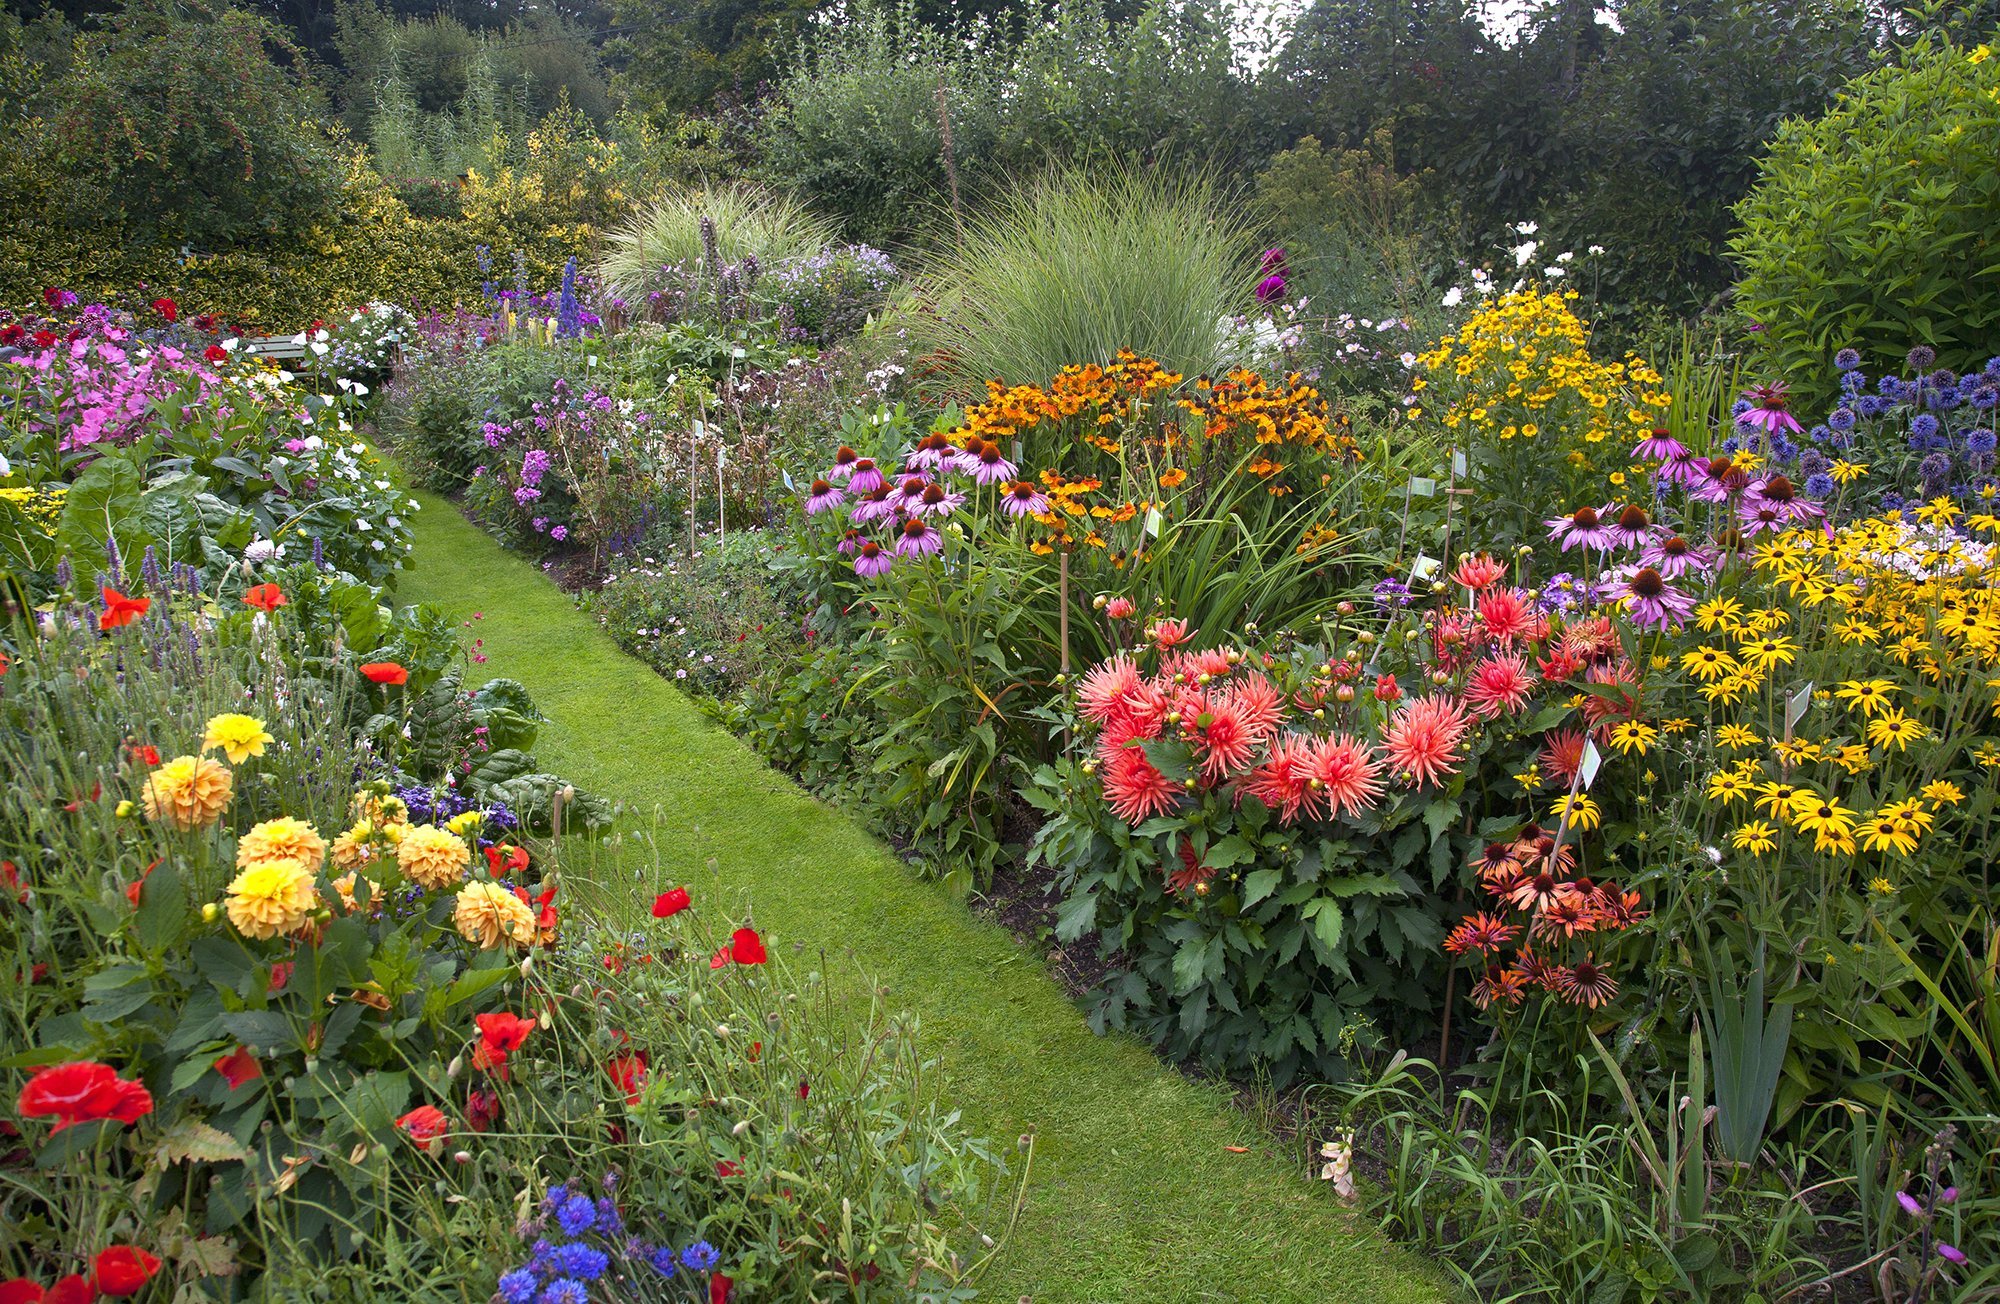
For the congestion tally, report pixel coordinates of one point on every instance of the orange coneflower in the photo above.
(1497, 861)
(1533, 970)
(1570, 913)
(1503, 985)
(1535, 891)
(1585, 983)
(1480, 932)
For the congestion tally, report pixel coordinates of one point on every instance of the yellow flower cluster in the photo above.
(1521, 367)
(1244, 401)
(432, 857)
(188, 792)
(487, 915)
(40, 506)
(276, 888)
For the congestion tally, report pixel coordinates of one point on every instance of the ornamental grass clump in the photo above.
(664, 240)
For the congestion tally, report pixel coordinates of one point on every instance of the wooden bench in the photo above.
(273, 348)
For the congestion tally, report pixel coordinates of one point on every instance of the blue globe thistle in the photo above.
(565, 1290)
(1935, 470)
(664, 1261)
(1739, 407)
(1889, 387)
(1923, 425)
(1892, 502)
(518, 1286)
(1732, 445)
(1921, 358)
(581, 1261)
(1945, 398)
(1852, 382)
(1943, 376)
(1986, 397)
(1992, 367)
(1819, 486)
(1783, 448)
(1847, 359)
(1871, 407)
(1979, 441)
(1841, 419)
(1812, 462)
(577, 1215)
(700, 1257)
(1819, 434)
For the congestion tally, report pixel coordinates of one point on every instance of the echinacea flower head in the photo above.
(1583, 528)
(1585, 983)
(1480, 932)
(916, 537)
(189, 792)
(283, 838)
(1673, 556)
(1499, 685)
(1631, 526)
(845, 460)
(488, 916)
(871, 560)
(990, 466)
(1422, 738)
(1022, 498)
(1658, 447)
(1768, 410)
(864, 476)
(939, 501)
(272, 898)
(1649, 601)
(824, 496)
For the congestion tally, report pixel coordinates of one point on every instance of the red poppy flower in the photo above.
(720, 1288)
(21, 1291)
(238, 1067)
(425, 1123)
(629, 1072)
(506, 860)
(805, 1088)
(745, 947)
(167, 308)
(122, 1270)
(385, 672)
(729, 1168)
(503, 1033)
(267, 598)
(723, 956)
(482, 1109)
(11, 874)
(670, 903)
(756, 1051)
(83, 1092)
(281, 973)
(73, 1289)
(143, 753)
(120, 610)
(133, 889)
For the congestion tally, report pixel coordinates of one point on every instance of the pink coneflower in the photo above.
(874, 505)
(1422, 738)
(1105, 687)
(1673, 556)
(1582, 528)
(1768, 404)
(930, 451)
(1779, 492)
(1658, 447)
(1482, 933)
(1571, 913)
(1478, 572)
(864, 477)
(1499, 686)
(1348, 776)
(1721, 480)
(844, 461)
(908, 494)
(916, 537)
(1134, 789)
(849, 541)
(1631, 527)
(1649, 601)
(1508, 617)
(1753, 519)
(871, 561)
(1023, 499)
(1228, 744)
(1284, 781)
(939, 501)
(1497, 862)
(824, 497)
(991, 467)
(1562, 753)
(1682, 468)
(1168, 633)
(1259, 702)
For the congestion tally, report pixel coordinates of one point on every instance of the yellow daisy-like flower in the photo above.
(432, 857)
(1881, 886)
(1728, 787)
(189, 792)
(488, 915)
(1708, 664)
(1871, 697)
(1633, 736)
(1796, 752)
(1768, 651)
(1852, 631)
(1736, 736)
(1830, 823)
(1581, 812)
(1680, 724)
(1756, 837)
(1881, 833)
(1852, 757)
(1944, 792)
(271, 898)
(345, 886)
(1895, 729)
(239, 737)
(1718, 613)
(283, 838)
(1846, 473)
(1775, 798)
(466, 822)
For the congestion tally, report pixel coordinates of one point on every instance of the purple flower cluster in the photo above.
(1926, 434)
(937, 479)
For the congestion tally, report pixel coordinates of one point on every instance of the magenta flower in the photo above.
(1658, 447)
(850, 541)
(1721, 480)
(915, 537)
(824, 497)
(930, 452)
(1951, 1253)
(1271, 288)
(1649, 601)
(865, 475)
(870, 561)
(1779, 492)
(1631, 527)
(908, 495)
(1682, 468)
(1583, 528)
(991, 467)
(873, 505)
(939, 501)
(1023, 499)
(1768, 404)
(1673, 556)
(1273, 261)
(844, 462)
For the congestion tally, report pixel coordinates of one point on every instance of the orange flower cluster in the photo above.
(1011, 409)
(1293, 414)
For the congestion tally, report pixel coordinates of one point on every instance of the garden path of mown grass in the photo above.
(1134, 1196)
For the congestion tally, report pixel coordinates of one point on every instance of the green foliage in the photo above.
(1052, 276)
(684, 60)
(1873, 226)
(1351, 226)
(667, 233)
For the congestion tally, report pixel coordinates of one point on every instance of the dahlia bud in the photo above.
(1344, 693)
(210, 913)
(1344, 608)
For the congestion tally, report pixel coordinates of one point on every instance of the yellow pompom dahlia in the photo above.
(488, 914)
(240, 737)
(189, 792)
(431, 857)
(283, 838)
(271, 898)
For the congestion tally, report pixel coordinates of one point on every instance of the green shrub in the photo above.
(1351, 226)
(1081, 264)
(1874, 227)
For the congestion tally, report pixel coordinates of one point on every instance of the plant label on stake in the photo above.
(1423, 487)
(1586, 768)
(1423, 568)
(1153, 521)
(1795, 707)
(1458, 464)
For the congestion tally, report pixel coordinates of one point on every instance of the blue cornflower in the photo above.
(1819, 486)
(1841, 419)
(663, 1261)
(518, 1286)
(1980, 441)
(700, 1257)
(580, 1260)
(565, 1290)
(577, 1215)
(609, 1220)
(1847, 359)
(538, 1254)
(1923, 425)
